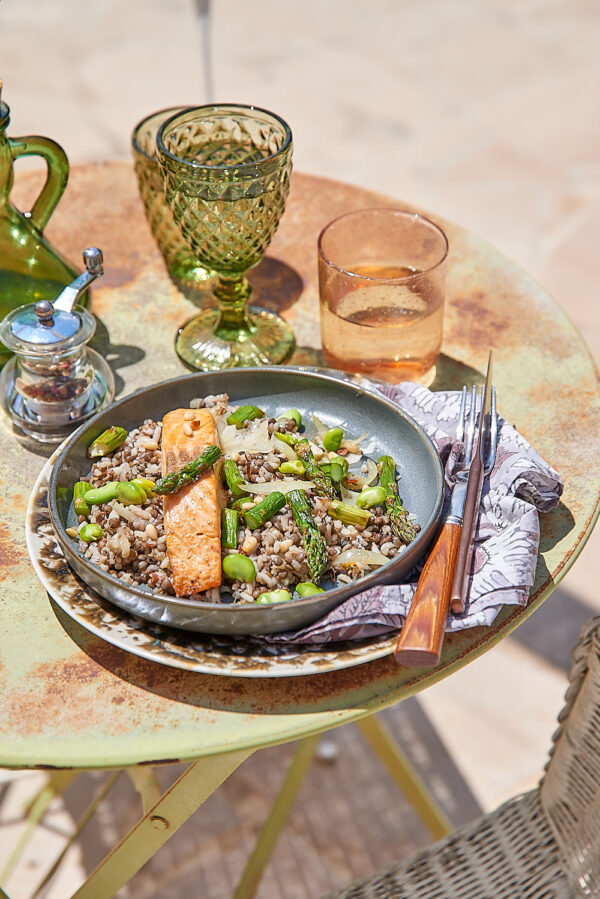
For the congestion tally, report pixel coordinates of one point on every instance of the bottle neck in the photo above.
(6, 160)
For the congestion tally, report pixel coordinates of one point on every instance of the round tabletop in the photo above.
(69, 699)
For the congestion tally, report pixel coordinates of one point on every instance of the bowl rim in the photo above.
(365, 582)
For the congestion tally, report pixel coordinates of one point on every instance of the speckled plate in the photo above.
(204, 653)
(337, 401)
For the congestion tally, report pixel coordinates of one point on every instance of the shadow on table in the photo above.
(555, 526)
(450, 374)
(118, 355)
(309, 694)
(275, 286)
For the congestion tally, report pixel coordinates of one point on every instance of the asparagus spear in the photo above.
(322, 481)
(237, 504)
(229, 523)
(244, 413)
(314, 543)
(175, 481)
(107, 442)
(333, 470)
(349, 514)
(399, 521)
(233, 477)
(286, 437)
(265, 509)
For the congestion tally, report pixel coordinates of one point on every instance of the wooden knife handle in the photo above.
(421, 638)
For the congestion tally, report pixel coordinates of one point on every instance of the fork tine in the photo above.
(492, 443)
(460, 425)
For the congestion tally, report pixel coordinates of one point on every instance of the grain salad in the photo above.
(296, 505)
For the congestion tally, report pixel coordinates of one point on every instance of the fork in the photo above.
(420, 641)
(482, 464)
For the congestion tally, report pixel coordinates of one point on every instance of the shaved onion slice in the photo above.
(348, 496)
(362, 557)
(353, 458)
(280, 486)
(253, 439)
(351, 442)
(320, 428)
(283, 449)
(356, 481)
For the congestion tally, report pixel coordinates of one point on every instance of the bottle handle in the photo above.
(56, 178)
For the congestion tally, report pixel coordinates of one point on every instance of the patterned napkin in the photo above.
(506, 542)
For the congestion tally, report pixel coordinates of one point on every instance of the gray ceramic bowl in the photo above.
(274, 389)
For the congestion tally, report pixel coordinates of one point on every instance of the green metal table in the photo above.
(70, 701)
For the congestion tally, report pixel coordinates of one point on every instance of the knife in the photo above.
(464, 554)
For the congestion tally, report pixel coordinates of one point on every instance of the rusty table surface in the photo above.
(69, 699)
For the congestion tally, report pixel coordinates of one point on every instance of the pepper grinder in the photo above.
(55, 381)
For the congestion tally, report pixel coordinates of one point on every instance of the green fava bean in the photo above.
(146, 484)
(297, 467)
(99, 495)
(273, 596)
(308, 589)
(130, 494)
(239, 567)
(371, 496)
(333, 440)
(91, 532)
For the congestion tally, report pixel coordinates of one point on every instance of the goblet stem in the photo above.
(232, 292)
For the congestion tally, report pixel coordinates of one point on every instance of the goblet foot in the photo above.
(269, 341)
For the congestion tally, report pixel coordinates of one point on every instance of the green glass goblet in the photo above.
(226, 170)
(181, 263)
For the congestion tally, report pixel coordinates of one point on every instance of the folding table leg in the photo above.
(56, 784)
(146, 783)
(175, 806)
(88, 813)
(278, 815)
(408, 780)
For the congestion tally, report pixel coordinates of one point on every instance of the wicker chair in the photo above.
(544, 844)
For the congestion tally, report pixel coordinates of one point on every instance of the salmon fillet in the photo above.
(192, 515)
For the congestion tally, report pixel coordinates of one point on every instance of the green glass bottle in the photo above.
(30, 268)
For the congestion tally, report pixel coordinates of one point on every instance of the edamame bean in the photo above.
(370, 496)
(239, 567)
(308, 589)
(273, 596)
(333, 440)
(297, 467)
(91, 532)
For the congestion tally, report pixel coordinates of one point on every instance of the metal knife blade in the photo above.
(471, 510)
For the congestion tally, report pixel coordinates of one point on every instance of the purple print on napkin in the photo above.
(506, 542)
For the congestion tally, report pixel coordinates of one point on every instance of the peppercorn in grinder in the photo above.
(55, 381)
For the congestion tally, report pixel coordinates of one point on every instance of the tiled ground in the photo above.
(481, 111)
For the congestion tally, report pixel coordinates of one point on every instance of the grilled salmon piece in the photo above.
(193, 514)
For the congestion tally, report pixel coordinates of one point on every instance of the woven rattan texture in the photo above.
(508, 854)
(542, 845)
(570, 789)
